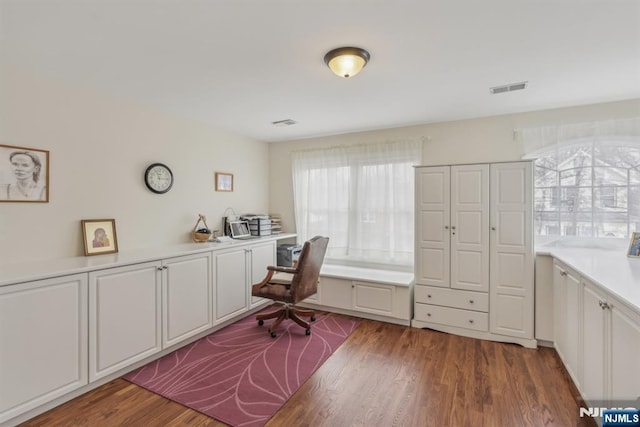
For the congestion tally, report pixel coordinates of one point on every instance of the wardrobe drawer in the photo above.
(452, 317)
(468, 300)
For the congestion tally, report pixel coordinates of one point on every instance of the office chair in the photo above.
(302, 284)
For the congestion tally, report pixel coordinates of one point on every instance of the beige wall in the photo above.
(489, 139)
(99, 148)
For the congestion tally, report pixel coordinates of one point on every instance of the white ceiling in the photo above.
(242, 64)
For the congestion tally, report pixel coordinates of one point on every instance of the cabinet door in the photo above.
(511, 296)
(186, 297)
(593, 343)
(567, 318)
(231, 283)
(124, 317)
(373, 298)
(262, 255)
(470, 227)
(625, 352)
(43, 342)
(432, 226)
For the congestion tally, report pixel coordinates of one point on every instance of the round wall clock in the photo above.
(158, 178)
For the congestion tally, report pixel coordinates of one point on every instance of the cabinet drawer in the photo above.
(468, 300)
(452, 317)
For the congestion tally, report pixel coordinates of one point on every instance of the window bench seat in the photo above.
(364, 292)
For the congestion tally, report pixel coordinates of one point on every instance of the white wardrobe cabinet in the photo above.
(474, 242)
(43, 342)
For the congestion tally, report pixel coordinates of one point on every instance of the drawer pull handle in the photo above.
(471, 321)
(563, 273)
(470, 301)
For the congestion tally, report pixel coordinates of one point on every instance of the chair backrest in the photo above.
(305, 282)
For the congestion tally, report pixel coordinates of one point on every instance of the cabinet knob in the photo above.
(563, 273)
(165, 267)
(446, 227)
(159, 268)
(493, 228)
(470, 301)
(428, 314)
(428, 295)
(453, 227)
(470, 320)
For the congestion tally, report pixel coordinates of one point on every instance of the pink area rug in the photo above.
(239, 374)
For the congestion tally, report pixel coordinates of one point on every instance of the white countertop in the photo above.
(605, 265)
(35, 270)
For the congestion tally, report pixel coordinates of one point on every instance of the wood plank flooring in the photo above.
(382, 375)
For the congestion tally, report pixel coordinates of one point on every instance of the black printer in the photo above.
(288, 254)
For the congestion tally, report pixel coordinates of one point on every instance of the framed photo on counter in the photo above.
(99, 236)
(634, 245)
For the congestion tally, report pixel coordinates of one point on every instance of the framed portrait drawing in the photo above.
(634, 245)
(224, 181)
(99, 236)
(24, 174)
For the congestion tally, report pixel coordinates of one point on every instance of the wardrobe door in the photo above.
(511, 273)
(432, 226)
(470, 227)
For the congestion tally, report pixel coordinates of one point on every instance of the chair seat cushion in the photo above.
(281, 278)
(275, 291)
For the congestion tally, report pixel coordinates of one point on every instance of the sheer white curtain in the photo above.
(587, 178)
(361, 197)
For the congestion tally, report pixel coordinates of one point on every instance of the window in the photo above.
(362, 198)
(588, 188)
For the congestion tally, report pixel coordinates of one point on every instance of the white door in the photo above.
(625, 352)
(593, 344)
(124, 317)
(470, 227)
(262, 256)
(432, 226)
(186, 297)
(231, 283)
(511, 272)
(43, 342)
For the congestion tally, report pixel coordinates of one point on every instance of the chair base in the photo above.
(287, 311)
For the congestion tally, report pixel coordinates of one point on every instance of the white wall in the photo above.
(99, 149)
(489, 139)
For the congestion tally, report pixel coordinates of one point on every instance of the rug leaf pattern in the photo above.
(239, 374)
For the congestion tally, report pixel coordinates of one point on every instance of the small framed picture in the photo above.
(224, 181)
(99, 236)
(634, 245)
(24, 174)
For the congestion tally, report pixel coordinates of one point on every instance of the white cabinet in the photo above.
(186, 297)
(363, 298)
(124, 316)
(43, 342)
(623, 369)
(474, 234)
(235, 271)
(567, 313)
(512, 277)
(611, 345)
(594, 346)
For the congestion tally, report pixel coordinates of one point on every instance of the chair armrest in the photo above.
(290, 270)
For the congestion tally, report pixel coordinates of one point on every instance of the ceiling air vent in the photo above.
(508, 88)
(284, 123)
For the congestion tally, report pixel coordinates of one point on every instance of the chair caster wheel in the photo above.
(260, 322)
(308, 332)
(313, 319)
(273, 334)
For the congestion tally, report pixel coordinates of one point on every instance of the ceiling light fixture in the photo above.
(346, 61)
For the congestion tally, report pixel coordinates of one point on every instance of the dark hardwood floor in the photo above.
(383, 375)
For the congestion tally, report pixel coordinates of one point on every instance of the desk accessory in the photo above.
(202, 234)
